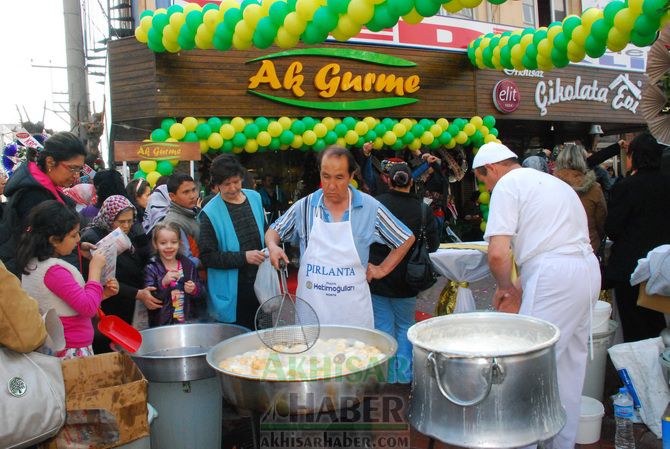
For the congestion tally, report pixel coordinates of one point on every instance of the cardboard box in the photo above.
(654, 302)
(110, 382)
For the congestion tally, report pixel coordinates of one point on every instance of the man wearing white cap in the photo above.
(541, 220)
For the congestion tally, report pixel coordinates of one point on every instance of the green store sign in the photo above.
(330, 80)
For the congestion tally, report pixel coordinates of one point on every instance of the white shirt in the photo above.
(541, 213)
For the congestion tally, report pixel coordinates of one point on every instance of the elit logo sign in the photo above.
(506, 96)
(332, 79)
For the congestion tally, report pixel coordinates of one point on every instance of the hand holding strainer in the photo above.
(286, 323)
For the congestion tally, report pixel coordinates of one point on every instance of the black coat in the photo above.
(408, 209)
(637, 221)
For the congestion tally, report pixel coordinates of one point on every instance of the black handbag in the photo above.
(420, 274)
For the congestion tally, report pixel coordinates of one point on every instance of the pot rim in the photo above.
(220, 371)
(135, 355)
(412, 334)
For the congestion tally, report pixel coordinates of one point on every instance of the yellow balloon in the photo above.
(329, 123)
(225, 6)
(170, 33)
(378, 143)
(351, 137)
(461, 137)
(191, 7)
(517, 53)
(285, 39)
(348, 26)
(436, 130)
(244, 31)
(305, 9)
(635, 6)
(451, 144)
(141, 35)
(241, 44)
(252, 14)
(174, 162)
(320, 130)
(624, 20)
(443, 123)
(177, 19)
(297, 142)
(575, 52)
(202, 42)
(484, 43)
(427, 138)
(413, 17)
(407, 123)
(171, 139)
(337, 34)
(294, 24)
(204, 146)
(211, 19)
(370, 121)
(190, 123)
(552, 33)
(227, 131)
(469, 129)
(178, 131)
(453, 6)
(470, 3)
(592, 14)
(526, 40)
(275, 129)
(477, 121)
(389, 138)
(251, 146)
(399, 129)
(616, 41)
(484, 198)
(152, 177)
(145, 23)
(361, 128)
(544, 48)
(341, 142)
(489, 138)
(309, 137)
(238, 123)
(415, 145)
(361, 11)
(579, 35)
(285, 122)
(264, 138)
(148, 166)
(215, 141)
(354, 183)
(482, 226)
(484, 130)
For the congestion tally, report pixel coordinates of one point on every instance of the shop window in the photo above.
(559, 10)
(544, 12)
(529, 12)
(465, 13)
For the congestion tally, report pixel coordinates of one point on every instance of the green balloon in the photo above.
(645, 25)
(166, 123)
(493, 131)
(265, 33)
(539, 36)
(309, 122)
(513, 40)
(341, 129)
(298, 127)
(209, 6)
(612, 9)
(594, 48)
(246, 3)
(497, 2)
(444, 138)
(194, 20)
(528, 31)
(487, 56)
(654, 9)
(330, 138)
(417, 129)
(388, 123)
(453, 129)
(231, 17)
(360, 143)
(159, 135)
(239, 140)
(227, 146)
(203, 131)
(506, 57)
(286, 137)
(251, 131)
(408, 138)
(155, 37)
(165, 168)
(190, 137)
(561, 42)
(146, 13)
(385, 17)
(427, 8)
(531, 52)
(559, 58)
(313, 34)
(338, 6)
(159, 21)
(434, 145)
(215, 123)
(400, 7)
(489, 121)
(325, 20)
(262, 123)
(173, 9)
(349, 122)
(370, 136)
(278, 12)
(600, 30)
(319, 145)
(140, 174)
(185, 39)
(642, 40)
(274, 144)
(398, 145)
(569, 24)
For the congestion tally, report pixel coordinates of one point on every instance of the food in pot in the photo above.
(480, 343)
(327, 358)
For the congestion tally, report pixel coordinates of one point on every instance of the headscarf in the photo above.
(110, 209)
(82, 194)
(536, 162)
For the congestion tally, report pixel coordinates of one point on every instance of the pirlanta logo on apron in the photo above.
(330, 288)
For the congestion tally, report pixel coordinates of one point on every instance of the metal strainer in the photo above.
(286, 323)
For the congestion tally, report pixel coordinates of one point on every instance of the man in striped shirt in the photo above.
(334, 228)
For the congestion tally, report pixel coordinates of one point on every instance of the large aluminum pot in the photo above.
(485, 380)
(178, 353)
(305, 396)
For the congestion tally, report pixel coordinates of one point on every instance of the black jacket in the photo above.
(407, 208)
(23, 193)
(637, 220)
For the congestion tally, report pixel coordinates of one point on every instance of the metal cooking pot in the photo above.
(305, 396)
(178, 353)
(488, 397)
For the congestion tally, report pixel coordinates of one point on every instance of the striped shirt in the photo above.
(371, 223)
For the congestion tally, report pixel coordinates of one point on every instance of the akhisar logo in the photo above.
(331, 79)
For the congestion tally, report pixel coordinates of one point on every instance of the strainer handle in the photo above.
(282, 275)
(446, 391)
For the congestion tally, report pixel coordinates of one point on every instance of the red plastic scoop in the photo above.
(119, 332)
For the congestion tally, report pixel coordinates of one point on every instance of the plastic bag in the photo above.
(639, 361)
(266, 285)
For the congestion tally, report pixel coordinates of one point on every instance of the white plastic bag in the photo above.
(266, 285)
(640, 360)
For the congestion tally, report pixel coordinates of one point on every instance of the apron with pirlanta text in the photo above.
(332, 278)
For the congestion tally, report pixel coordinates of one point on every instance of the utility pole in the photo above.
(76, 68)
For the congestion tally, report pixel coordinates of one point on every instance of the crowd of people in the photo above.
(190, 260)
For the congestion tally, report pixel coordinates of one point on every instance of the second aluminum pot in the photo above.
(485, 398)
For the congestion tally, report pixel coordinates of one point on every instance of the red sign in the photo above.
(506, 96)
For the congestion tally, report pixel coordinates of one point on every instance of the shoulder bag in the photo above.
(420, 274)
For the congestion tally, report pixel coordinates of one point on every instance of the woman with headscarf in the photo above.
(571, 168)
(106, 183)
(118, 212)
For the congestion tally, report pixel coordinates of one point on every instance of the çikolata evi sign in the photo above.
(331, 80)
(621, 93)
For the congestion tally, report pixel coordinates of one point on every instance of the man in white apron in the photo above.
(335, 227)
(541, 219)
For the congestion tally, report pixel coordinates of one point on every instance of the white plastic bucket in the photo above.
(590, 420)
(594, 381)
(601, 316)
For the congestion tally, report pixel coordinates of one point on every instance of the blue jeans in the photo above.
(394, 316)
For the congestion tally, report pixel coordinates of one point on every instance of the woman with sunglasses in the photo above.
(42, 178)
